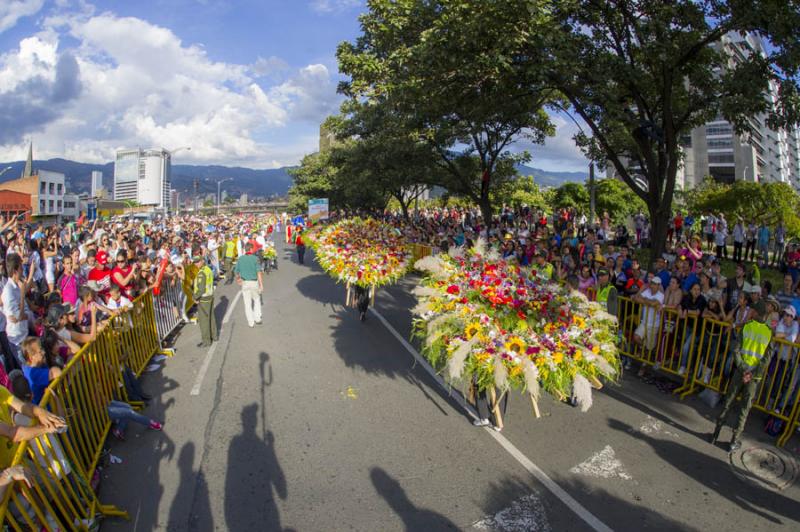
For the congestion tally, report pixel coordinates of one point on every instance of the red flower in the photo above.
(453, 289)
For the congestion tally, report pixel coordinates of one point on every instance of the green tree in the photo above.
(314, 178)
(747, 200)
(571, 195)
(643, 73)
(617, 199)
(446, 69)
(523, 190)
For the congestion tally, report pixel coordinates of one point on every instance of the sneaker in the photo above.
(496, 428)
(734, 446)
(151, 368)
(118, 434)
(259, 322)
(682, 371)
(155, 425)
(159, 358)
(251, 325)
(481, 422)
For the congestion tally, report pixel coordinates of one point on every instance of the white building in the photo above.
(51, 193)
(97, 183)
(143, 176)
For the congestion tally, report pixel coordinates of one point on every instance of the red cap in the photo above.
(102, 257)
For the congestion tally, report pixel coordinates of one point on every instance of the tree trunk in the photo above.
(659, 223)
(486, 211)
(403, 206)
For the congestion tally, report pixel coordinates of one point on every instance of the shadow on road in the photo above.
(253, 479)
(717, 477)
(414, 518)
(193, 490)
(521, 507)
(139, 489)
(220, 307)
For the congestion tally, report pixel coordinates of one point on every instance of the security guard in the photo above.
(751, 357)
(230, 253)
(606, 292)
(203, 291)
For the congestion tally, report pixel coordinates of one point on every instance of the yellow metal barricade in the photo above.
(657, 337)
(712, 362)
(778, 392)
(419, 251)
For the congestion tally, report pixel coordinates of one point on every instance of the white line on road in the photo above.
(588, 517)
(198, 382)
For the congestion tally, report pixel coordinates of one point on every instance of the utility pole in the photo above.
(591, 195)
(196, 187)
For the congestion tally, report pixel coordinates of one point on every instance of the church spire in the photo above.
(28, 171)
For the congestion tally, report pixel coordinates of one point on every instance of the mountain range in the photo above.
(254, 183)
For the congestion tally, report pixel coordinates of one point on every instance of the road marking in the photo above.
(602, 464)
(198, 382)
(524, 515)
(588, 517)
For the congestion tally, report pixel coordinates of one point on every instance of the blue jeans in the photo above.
(687, 346)
(122, 413)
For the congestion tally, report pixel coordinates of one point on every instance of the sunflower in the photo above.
(472, 329)
(515, 345)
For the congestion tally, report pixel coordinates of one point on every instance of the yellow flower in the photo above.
(595, 349)
(558, 357)
(578, 356)
(516, 370)
(515, 345)
(472, 329)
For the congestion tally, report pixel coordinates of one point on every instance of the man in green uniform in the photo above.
(230, 252)
(751, 358)
(606, 292)
(203, 291)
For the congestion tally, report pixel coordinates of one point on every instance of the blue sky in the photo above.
(243, 82)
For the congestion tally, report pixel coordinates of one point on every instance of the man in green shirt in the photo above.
(751, 359)
(203, 292)
(250, 277)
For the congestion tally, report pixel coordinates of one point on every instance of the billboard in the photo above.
(318, 209)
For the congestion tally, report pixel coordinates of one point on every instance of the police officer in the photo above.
(751, 358)
(230, 253)
(606, 292)
(203, 291)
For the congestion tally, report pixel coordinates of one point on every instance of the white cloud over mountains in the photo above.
(127, 82)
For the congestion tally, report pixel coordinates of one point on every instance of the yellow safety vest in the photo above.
(205, 271)
(547, 268)
(602, 294)
(230, 249)
(755, 340)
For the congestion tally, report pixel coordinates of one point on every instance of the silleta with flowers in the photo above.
(490, 323)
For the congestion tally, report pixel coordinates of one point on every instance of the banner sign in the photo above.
(318, 209)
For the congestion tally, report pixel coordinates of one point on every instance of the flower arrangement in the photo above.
(268, 252)
(361, 252)
(489, 321)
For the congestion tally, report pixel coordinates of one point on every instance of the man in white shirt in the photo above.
(651, 299)
(14, 306)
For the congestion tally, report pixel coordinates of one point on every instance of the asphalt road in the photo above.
(316, 421)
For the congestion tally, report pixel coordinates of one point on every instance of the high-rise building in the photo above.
(715, 149)
(97, 183)
(143, 176)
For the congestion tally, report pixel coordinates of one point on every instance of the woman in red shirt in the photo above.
(123, 275)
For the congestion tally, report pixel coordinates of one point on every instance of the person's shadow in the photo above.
(191, 509)
(414, 518)
(253, 477)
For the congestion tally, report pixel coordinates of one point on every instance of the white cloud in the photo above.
(128, 82)
(329, 6)
(558, 153)
(13, 10)
(310, 95)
